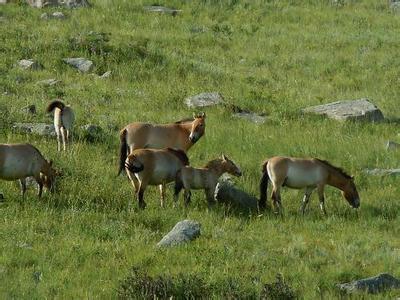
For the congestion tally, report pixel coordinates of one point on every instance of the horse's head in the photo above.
(230, 167)
(198, 127)
(350, 193)
(48, 176)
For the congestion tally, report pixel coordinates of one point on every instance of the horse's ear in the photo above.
(202, 115)
(224, 157)
(194, 116)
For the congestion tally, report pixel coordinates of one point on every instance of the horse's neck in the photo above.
(217, 170)
(337, 180)
(186, 129)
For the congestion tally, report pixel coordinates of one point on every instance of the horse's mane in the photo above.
(341, 171)
(186, 120)
(213, 163)
(180, 154)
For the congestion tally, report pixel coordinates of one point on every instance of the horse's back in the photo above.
(19, 161)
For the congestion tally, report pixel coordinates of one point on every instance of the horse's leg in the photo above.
(162, 193)
(140, 193)
(22, 183)
(306, 198)
(58, 138)
(177, 189)
(63, 135)
(276, 198)
(187, 195)
(40, 185)
(321, 198)
(210, 196)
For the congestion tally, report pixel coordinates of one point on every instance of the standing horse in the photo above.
(310, 174)
(64, 118)
(153, 167)
(205, 178)
(179, 135)
(19, 161)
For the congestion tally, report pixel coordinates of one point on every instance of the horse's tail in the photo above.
(123, 150)
(54, 104)
(263, 186)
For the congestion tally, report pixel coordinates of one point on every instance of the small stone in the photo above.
(58, 15)
(390, 145)
(30, 64)
(48, 82)
(106, 74)
(372, 285)
(353, 110)
(82, 64)
(162, 9)
(44, 16)
(204, 99)
(91, 132)
(37, 276)
(24, 245)
(29, 109)
(250, 116)
(183, 232)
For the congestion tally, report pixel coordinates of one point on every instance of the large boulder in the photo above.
(183, 232)
(227, 192)
(42, 129)
(376, 284)
(204, 99)
(352, 110)
(82, 64)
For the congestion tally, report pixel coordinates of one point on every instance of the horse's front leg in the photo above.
(210, 196)
(321, 198)
(22, 183)
(187, 195)
(40, 185)
(177, 189)
(140, 194)
(162, 193)
(306, 198)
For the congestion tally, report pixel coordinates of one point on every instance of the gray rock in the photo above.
(35, 128)
(48, 82)
(382, 172)
(3, 1)
(361, 109)
(106, 75)
(162, 9)
(64, 3)
(376, 284)
(390, 145)
(395, 6)
(29, 109)
(24, 245)
(204, 99)
(54, 15)
(29, 64)
(184, 231)
(251, 116)
(82, 64)
(227, 192)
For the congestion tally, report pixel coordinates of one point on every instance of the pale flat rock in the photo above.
(106, 75)
(390, 145)
(48, 82)
(162, 9)
(251, 116)
(64, 3)
(183, 232)
(227, 192)
(82, 64)
(382, 172)
(373, 285)
(361, 109)
(204, 99)
(29, 64)
(42, 129)
(54, 15)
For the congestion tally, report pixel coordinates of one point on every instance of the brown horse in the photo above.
(310, 174)
(19, 161)
(205, 178)
(64, 118)
(153, 167)
(179, 135)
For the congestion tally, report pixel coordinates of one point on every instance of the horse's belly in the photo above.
(14, 169)
(300, 178)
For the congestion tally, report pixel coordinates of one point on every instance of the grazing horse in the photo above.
(19, 161)
(153, 167)
(310, 174)
(205, 178)
(179, 135)
(64, 118)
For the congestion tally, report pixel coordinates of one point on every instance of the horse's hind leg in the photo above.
(22, 183)
(322, 198)
(58, 138)
(306, 198)
(177, 189)
(140, 194)
(162, 193)
(64, 137)
(276, 199)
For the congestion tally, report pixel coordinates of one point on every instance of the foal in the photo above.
(309, 174)
(64, 118)
(153, 167)
(205, 178)
(19, 161)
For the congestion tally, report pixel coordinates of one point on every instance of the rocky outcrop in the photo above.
(183, 232)
(204, 99)
(373, 285)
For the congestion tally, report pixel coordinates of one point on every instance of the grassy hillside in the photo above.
(274, 57)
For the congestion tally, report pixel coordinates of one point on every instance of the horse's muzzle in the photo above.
(356, 203)
(193, 139)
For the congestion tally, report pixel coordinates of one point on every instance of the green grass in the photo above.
(268, 56)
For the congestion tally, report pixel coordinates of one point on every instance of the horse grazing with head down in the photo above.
(205, 178)
(153, 167)
(179, 135)
(64, 118)
(310, 174)
(19, 161)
